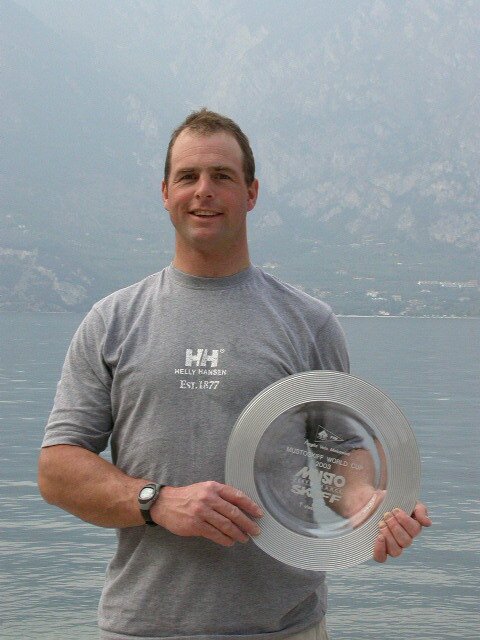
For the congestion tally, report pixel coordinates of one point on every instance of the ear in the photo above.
(165, 194)
(252, 195)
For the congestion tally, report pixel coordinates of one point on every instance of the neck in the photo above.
(210, 264)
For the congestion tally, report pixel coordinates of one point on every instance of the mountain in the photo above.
(362, 115)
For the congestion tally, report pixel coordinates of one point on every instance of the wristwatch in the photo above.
(146, 498)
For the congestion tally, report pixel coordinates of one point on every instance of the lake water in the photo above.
(52, 565)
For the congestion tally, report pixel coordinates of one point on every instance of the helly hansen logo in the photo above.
(201, 357)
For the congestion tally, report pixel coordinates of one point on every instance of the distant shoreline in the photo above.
(339, 315)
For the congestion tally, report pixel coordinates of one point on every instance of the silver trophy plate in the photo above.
(325, 455)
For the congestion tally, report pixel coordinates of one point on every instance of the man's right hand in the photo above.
(210, 510)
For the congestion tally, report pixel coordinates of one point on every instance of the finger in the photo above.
(240, 499)
(209, 532)
(420, 514)
(227, 527)
(401, 536)
(380, 549)
(392, 547)
(233, 514)
(411, 526)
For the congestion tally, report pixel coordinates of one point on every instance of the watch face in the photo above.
(147, 493)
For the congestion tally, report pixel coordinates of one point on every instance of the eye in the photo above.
(222, 176)
(187, 177)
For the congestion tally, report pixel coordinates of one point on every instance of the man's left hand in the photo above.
(397, 531)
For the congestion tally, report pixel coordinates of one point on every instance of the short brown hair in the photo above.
(205, 122)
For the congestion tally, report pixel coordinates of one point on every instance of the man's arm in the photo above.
(358, 490)
(93, 489)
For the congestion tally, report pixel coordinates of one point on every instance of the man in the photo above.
(162, 369)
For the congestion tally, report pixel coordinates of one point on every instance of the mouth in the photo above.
(204, 213)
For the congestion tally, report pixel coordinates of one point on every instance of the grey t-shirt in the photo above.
(162, 369)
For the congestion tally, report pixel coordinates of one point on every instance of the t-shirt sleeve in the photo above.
(340, 429)
(81, 413)
(330, 349)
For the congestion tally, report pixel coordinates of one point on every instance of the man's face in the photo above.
(206, 193)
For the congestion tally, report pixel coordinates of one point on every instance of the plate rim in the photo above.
(353, 547)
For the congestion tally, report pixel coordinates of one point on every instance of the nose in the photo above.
(204, 187)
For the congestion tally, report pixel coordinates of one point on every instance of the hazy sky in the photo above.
(363, 117)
